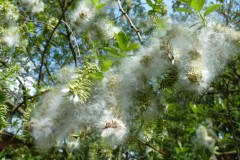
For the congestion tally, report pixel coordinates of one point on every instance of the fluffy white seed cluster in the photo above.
(197, 55)
(114, 131)
(59, 115)
(204, 138)
(85, 18)
(12, 36)
(10, 30)
(34, 6)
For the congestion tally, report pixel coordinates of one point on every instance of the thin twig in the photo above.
(157, 150)
(75, 39)
(48, 42)
(28, 98)
(130, 21)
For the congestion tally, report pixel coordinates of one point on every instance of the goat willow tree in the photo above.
(104, 79)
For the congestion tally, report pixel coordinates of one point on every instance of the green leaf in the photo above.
(150, 12)
(185, 1)
(106, 65)
(195, 109)
(95, 1)
(122, 55)
(158, 10)
(197, 4)
(158, 1)
(97, 75)
(99, 6)
(30, 25)
(111, 50)
(150, 3)
(122, 40)
(185, 10)
(133, 46)
(211, 9)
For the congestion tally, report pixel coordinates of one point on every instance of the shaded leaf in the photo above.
(150, 12)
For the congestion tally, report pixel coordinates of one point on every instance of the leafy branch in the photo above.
(197, 8)
(81, 86)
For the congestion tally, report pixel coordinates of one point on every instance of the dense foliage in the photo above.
(133, 79)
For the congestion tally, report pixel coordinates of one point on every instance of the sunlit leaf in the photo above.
(111, 50)
(106, 65)
(185, 1)
(150, 3)
(211, 9)
(122, 40)
(197, 4)
(133, 46)
(99, 6)
(97, 75)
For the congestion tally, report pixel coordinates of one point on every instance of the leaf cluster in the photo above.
(82, 85)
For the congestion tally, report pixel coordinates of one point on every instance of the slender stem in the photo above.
(130, 21)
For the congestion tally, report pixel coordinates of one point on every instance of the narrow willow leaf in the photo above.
(185, 10)
(197, 4)
(211, 9)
